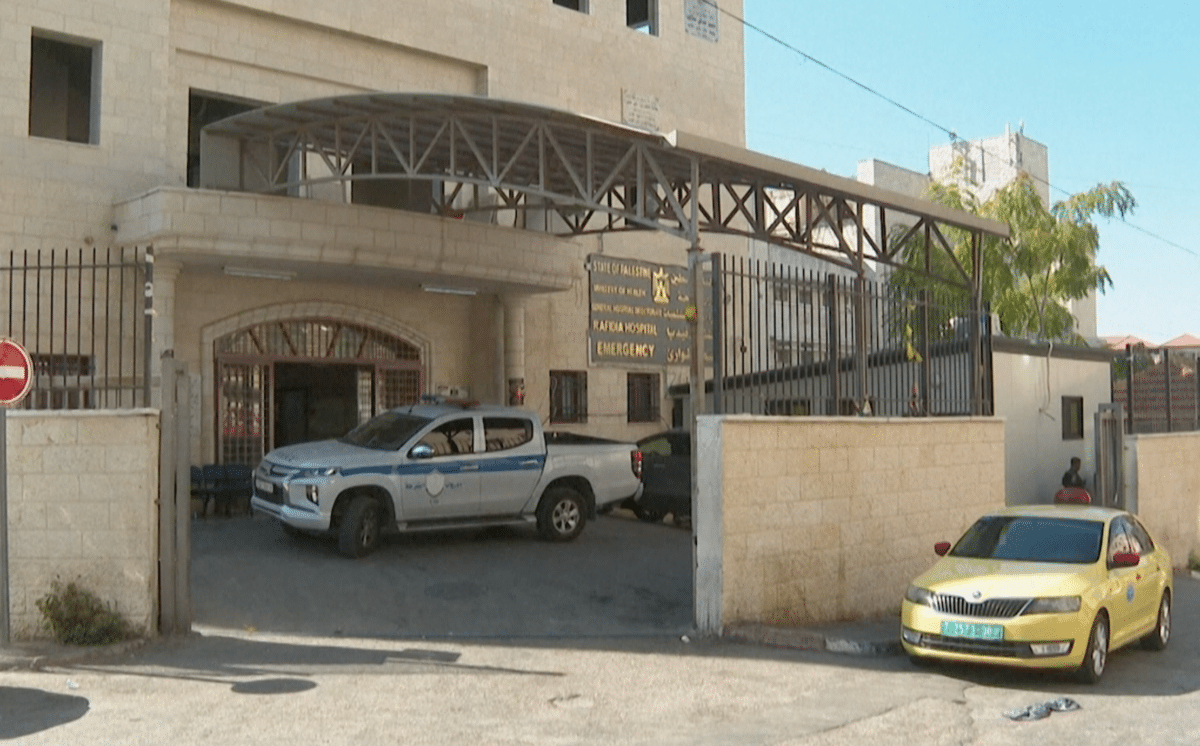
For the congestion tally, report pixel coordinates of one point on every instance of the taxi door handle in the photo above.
(469, 467)
(530, 462)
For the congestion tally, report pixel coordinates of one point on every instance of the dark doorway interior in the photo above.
(314, 401)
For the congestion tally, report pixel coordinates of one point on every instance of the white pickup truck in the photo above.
(444, 465)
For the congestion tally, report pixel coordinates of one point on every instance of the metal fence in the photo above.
(84, 316)
(1159, 389)
(794, 341)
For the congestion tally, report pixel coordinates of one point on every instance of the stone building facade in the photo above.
(301, 314)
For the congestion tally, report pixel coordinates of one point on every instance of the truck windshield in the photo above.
(385, 432)
(1032, 539)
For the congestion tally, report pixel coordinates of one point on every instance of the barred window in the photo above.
(1072, 418)
(643, 397)
(568, 396)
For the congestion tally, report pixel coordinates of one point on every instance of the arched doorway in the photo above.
(302, 379)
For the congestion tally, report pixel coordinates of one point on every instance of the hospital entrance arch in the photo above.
(306, 378)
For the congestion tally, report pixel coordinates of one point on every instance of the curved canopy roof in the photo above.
(543, 168)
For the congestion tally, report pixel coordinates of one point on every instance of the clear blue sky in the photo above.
(1112, 89)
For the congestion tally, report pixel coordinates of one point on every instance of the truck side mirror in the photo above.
(421, 450)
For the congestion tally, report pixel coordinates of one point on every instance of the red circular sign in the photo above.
(16, 372)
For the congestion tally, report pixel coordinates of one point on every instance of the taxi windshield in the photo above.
(1032, 539)
(385, 432)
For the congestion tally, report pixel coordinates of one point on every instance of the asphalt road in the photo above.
(620, 577)
(231, 686)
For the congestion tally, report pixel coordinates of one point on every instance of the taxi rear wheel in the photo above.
(1158, 639)
(1095, 658)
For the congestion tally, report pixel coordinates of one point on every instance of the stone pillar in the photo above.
(166, 272)
(514, 349)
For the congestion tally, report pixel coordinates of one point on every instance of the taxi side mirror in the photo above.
(1126, 559)
(941, 548)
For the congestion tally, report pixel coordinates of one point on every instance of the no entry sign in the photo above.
(16, 372)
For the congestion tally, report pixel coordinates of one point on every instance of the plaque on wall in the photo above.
(700, 18)
(638, 312)
(639, 110)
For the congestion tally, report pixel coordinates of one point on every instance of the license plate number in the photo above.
(972, 631)
(263, 486)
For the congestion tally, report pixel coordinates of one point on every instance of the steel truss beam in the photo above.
(543, 169)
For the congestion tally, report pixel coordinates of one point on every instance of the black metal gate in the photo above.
(795, 341)
(85, 317)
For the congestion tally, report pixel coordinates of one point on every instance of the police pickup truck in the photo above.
(444, 465)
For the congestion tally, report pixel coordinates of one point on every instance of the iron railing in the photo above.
(1159, 389)
(85, 317)
(794, 341)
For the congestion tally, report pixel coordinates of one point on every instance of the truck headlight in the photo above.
(1054, 605)
(328, 471)
(920, 596)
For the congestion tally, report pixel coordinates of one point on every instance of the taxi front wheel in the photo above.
(1161, 635)
(1096, 656)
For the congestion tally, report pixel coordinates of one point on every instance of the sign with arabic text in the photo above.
(638, 312)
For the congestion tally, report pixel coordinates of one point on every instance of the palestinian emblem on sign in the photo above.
(662, 287)
(435, 483)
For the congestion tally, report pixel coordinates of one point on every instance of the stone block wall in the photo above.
(82, 507)
(1163, 484)
(811, 520)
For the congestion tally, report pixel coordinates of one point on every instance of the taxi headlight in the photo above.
(919, 595)
(1055, 605)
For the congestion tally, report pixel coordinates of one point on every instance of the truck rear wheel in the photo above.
(561, 514)
(359, 533)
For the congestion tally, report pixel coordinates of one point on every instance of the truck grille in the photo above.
(996, 608)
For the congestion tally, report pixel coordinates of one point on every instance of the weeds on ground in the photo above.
(75, 616)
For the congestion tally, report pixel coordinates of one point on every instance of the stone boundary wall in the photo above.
(811, 520)
(1163, 482)
(82, 506)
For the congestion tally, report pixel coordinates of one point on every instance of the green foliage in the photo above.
(1048, 260)
(1194, 560)
(75, 616)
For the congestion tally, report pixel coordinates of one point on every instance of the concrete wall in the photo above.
(810, 520)
(82, 494)
(1162, 485)
(1028, 389)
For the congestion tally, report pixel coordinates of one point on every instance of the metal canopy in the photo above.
(541, 168)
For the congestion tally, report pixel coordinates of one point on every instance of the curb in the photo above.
(802, 639)
(49, 655)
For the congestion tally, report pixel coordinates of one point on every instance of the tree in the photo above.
(1048, 260)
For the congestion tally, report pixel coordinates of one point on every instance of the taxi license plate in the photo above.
(973, 631)
(263, 486)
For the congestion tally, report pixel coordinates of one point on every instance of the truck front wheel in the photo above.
(561, 514)
(359, 533)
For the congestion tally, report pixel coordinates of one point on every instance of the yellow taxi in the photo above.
(1042, 586)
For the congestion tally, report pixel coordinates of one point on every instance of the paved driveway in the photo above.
(620, 577)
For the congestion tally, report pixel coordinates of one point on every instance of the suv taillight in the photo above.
(635, 463)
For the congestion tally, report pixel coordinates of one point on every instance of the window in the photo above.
(456, 436)
(642, 397)
(579, 5)
(642, 15)
(1072, 418)
(502, 433)
(204, 109)
(568, 396)
(63, 89)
